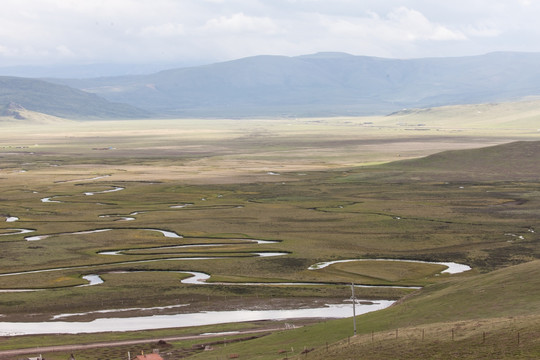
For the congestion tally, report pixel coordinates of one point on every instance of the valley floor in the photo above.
(134, 209)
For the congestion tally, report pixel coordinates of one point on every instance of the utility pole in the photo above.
(353, 298)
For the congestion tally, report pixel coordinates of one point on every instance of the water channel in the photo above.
(199, 318)
(184, 320)
(109, 324)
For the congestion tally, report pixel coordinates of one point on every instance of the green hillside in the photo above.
(512, 291)
(517, 161)
(500, 304)
(478, 317)
(60, 100)
(468, 316)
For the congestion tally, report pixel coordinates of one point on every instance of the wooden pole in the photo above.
(353, 309)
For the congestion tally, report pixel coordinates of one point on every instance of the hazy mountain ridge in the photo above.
(323, 84)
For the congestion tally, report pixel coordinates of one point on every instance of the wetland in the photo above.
(135, 219)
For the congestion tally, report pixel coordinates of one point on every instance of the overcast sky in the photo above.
(45, 32)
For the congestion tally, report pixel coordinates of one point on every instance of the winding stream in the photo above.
(196, 278)
(199, 318)
(184, 320)
(42, 237)
(166, 233)
(17, 232)
(114, 189)
(452, 267)
(78, 180)
(50, 200)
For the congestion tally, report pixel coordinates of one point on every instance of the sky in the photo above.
(192, 32)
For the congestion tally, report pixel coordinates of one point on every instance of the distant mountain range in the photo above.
(323, 84)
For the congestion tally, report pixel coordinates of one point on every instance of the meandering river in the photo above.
(197, 278)
(452, 267)
(184, 320)
(199, 318)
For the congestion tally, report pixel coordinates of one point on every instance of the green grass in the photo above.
(500, 304)
(437, 311)
(468, 206)
(501, 338)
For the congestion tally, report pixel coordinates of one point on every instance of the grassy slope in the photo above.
(510, 292)
(513, 161)
(32, 117)
(499, 303)
(62, 101)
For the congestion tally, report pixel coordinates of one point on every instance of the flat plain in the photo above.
(454, 184)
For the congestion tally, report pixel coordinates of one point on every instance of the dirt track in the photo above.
(7, 354)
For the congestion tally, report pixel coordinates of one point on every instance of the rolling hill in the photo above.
(473, 315)
(471, 318)
(516, 161)
(323, 84)
(60, 100)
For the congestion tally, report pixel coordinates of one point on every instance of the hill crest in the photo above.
(58, 100)
(516, 161)
(323, 84)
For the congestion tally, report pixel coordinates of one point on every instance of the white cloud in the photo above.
(418, 27)
(483, 30)
(163, 30)
(4, 51)
(401, 24)
(64, 51)
(49, 31)
(241, 23)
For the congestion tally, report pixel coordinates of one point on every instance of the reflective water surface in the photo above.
(184, 320)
